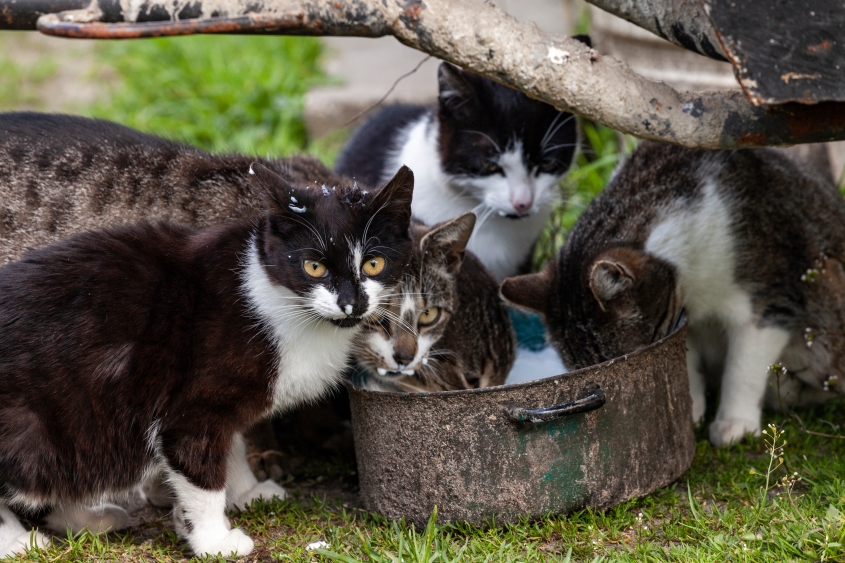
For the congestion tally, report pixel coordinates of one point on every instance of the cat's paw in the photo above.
(731, 430)
(264, 490)
(234, 543)
(19, 543)
(98, 519)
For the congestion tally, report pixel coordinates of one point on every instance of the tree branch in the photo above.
(482, 38)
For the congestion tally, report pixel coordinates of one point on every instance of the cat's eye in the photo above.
(430, 316)
(373, 266)
(315, 268)
(491, 167)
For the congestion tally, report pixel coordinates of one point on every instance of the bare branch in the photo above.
(483, 38)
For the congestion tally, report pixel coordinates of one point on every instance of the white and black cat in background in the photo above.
(166, 344)
(484, 148)
(750, 243)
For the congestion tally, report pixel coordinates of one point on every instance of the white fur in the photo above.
(356, 260)
(376, 293)
(323, 301)
(501, 243)
(312, 352)
(699, 243)
(377, 343)
(98, 519)
(241, 485)
(15, 539)
(209, 531)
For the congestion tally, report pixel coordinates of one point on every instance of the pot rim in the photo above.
(680, 324)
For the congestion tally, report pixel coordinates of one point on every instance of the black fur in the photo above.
(109, 332)
(364, 157)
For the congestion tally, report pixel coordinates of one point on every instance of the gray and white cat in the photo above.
(446, 327)
(484, 148)
(61, 175)
(748, 242)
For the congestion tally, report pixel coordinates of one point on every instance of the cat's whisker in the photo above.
(546, 135)
(398, 320)
(561, 146)
(486, 136)
(549, 136)
(304, 222)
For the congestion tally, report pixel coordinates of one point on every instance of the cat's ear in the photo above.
(394, 198)
(613, 276)
(280, 196)
(530, 291)
(450, 240)
(457, 92)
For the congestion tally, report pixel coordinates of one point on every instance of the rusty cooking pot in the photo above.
(594, 437)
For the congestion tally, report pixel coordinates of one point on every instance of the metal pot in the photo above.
(593, 437)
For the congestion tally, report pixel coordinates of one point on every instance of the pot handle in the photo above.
(594, 400)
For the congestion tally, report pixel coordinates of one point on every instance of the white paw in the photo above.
(20, 543)
(234, 543)
(264, 490)
(732, 430)
(98, 519)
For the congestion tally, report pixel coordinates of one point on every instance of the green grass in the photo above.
(722, 510)
(221, 93)
(19, 82)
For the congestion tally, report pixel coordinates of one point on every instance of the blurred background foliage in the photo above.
(221, 93)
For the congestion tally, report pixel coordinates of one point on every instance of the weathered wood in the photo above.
(482, 38)
(782, 50)
(683, 22)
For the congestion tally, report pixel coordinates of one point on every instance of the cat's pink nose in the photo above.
(522, 205)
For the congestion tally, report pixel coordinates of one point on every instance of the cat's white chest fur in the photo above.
(312, 353)
(502, 244)
(699, 243)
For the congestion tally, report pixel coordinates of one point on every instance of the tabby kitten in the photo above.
(748, 242)
(61, 175)
(167, 343)
(446, 326)
(485, 148)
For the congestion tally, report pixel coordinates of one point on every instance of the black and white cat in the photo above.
(749, 243)
(150, 349)
(484, 148)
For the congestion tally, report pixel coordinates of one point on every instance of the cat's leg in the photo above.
(195, 465)
(241, 485)
(696, 380)
(199, 518)
(14, 538)
(156, 490)
(98, 519)
(751, 350)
